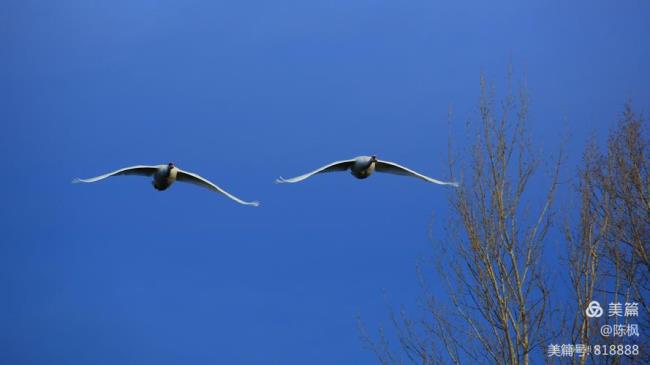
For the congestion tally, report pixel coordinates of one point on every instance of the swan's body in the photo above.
(363, 166)
(164, 176)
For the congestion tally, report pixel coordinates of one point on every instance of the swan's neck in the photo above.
(172, 173)
(371, 167)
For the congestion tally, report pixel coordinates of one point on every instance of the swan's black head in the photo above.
(170, 165)
(373, 158)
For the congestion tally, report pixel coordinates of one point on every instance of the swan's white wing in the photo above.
(133, 170)
(393, 168)
(334, 166)
(193, 178)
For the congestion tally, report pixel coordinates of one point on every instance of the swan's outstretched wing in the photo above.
(193, 178)
(334, 166)
(133, 170)
(393, 168)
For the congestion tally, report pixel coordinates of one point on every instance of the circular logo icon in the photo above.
(594, 309)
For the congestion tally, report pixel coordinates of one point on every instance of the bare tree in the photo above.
(498, 291)
(586, 241)
(608, 249)
(626, 184)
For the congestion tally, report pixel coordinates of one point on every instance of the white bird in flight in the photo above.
(363, 166)
(164, 176)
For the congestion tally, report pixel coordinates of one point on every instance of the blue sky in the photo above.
(242, 92)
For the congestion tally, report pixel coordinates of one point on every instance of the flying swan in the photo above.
(164, 176)
(363, 166)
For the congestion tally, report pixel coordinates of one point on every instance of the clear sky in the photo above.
(242, 92)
